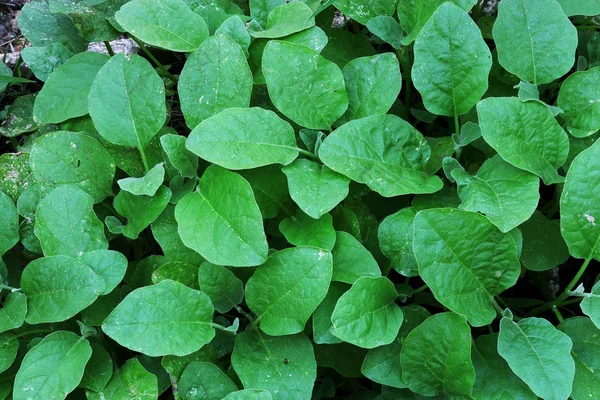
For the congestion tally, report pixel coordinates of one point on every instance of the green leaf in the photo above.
(129, 381)
(98, 370)
(464, 275)
(506, 195)
(146, 185)
(395, 236)
(249, 394)
(220, 284)
(19, 117)
(140, 211)
(581, 7)
(382, 364)
(547, 369)
(177, 271)
(366, 315)
(109, 265)
(452, 62)
(66, 224)
(235, 234)
(321, 318)
(351, 261)
(164, 230)
(58, 287)
(13, 311)
(590, 305)
(315, 187)
(384, 152)
(215, 77)
(235, 29)
(494, 378)
(9, 220)
(202, 380)
(361, 12)
(431, 366)
(387, 29)
(53, 368)
(303, 230)
(270, 190)
(260, 9)
(260, 363)
(579, 98)
(284, 20)
(535, 52)
(132, 86)
(304, 86)
(65, 94)
(178, 324)
(373, 84)
(154, 24)
(586, 354)
(543, 246)
(69, 158)
(286, 290)
(524, 134)
(15, 174)
(578, 210)
(244, 138)
(182, 159)
(9, 345)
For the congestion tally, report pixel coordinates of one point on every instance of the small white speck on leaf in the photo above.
(590, 219)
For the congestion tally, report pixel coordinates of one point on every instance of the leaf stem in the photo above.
(499, 309)
(420, 289)
(12, 289)
(245, 314)
(456, 124)
(154, 60)
(109, 48)
(557, 313)
(144, 159)
(32, 332)
(307, 153)
(221, 328)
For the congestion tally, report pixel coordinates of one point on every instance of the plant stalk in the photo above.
(154, 60)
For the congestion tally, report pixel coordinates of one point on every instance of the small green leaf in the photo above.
(99, 369)
(175, 365)
(249, 394)
(109, 265)
(13, 311)
(579, 98)
(53, 368)
(131, 381)
(547, 370)
(204, 381)
(140, 211)
(154, 24)
(303, 230)
(178, 324)
(366, 315)
(361, 12)
(387, 29)
(260, 362)
(431, 366)
(182, 159)
(9, 221)
(260, 9)
(235, 29)
(9, 346)
(321, 318)
(19, 117)
(286, 290)
(164, 230)
(590, 305)
(177, 271)
(284, 20)
(146, 185)
(270, 190)
(221, 285)
(351, 260)
(235, 236)
(244, 138)
(395, 236)
(543, 246)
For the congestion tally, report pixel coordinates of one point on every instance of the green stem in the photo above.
(12, 289)
(144, 160)
(109, 48)
(33, 332)
(558, 314)
(154, 60)
(572, 301)
(499, 309)
(245, 314)
(307, 153)
(456, 124)
(221, 328)
(420, 289)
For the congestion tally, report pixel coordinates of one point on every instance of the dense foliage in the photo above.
(311, 199)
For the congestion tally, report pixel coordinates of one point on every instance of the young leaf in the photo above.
(361, 12)
(109, 265)
(131, 85)
(221, 285)
(9, 221)
(182, 159)
(524, 134)
(286, 290)
(384, 152)
(260, 9)
(464, 275)
(387, 29)
(590, 305)
(351, 261)
(303, 230)
(202, 380)
(244, 138)
(98, 370)
(13, 311)
(304, 86)
(543, 246)
(284, 20)
(154, 23)
(452, 62)
(215, 77)
(65, 94)
(178, 324)
(235, 29)
(140, 211)
(579, 97)
(164, 230)
(235, 236)
(436, 357)
(366, 315)
(43, 60)
(315, 187)
(69, 158)
(53, 368)
(129, 381)
(66, 224)
(146, 185)
(321, 318)
(373, 84)
(395, 236)
(535, 52)
(547, 370)
(260, 362)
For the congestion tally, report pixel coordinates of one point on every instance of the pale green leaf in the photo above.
(140, 211)
(181, 158)
(303, 230)
(351, 260)
(579, 97)
(131, 381)
(109, 265)
(146, 185)
(13, 311)
(580, 7)
(395, 236)
(235, 29)
(204, 381)
(286, 19)
(591, 304)
(543, 246)
(9, 221)
(221, 285)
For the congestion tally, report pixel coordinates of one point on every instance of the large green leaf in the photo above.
(221, 285)
(178, 324)
(169, 24)
(351, 260)
(9, 221)
(579, 97)
(363, 11)
(524, 134)
(373, 84)
(506, 195)
(13, 311)
(384, 152)
(578, 209)
(260, 362)
(140, 211)
(284, 20)
(366, 315)
(543, 246)
(464, 275)
(452, 62)
(302, 230)
(244, 138)
(131, 381)
(53, 368)
(66, 224)
(535, 40)
(204, 381)
(222, 221)
(130, 85)
(539, 354)
(580, 7)
(395, 236)
(215, 77)
(304, 86)
(62, 157)
(65, 93)
(286, 290)
(436, 357)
